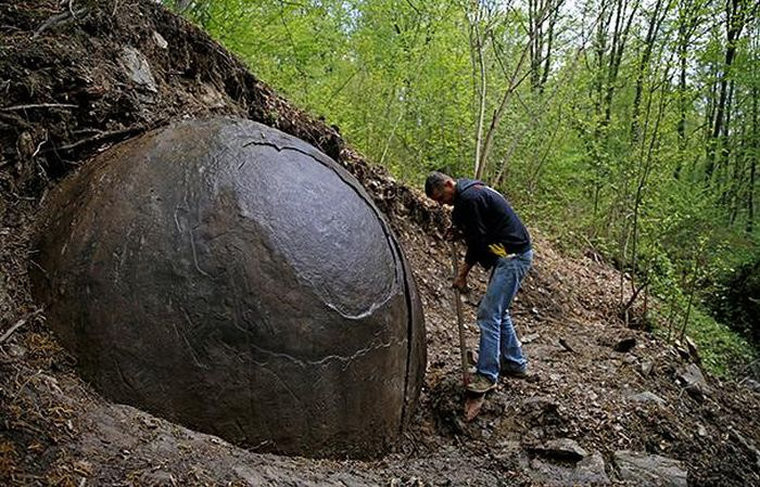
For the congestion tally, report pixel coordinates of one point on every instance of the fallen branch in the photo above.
(102, 137)
(635, 295)
(61, 18)
(39, 146)
(38, 105)
(19, 324)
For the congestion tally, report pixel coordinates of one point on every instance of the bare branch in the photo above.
(19, 324)
(38, 105)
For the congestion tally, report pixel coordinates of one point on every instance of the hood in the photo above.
(464, 184)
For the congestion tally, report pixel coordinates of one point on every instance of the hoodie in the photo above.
(485, 217)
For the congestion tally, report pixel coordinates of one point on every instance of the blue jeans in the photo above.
(498, 339)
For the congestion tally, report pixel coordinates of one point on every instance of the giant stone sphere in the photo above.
(232, 278)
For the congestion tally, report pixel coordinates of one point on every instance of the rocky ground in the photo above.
(608, 404)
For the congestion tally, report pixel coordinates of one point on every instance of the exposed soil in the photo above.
(67, 92)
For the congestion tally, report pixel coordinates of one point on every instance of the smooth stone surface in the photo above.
(650, 470)
(230, 277)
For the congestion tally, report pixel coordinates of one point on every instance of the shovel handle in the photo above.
(460, 314)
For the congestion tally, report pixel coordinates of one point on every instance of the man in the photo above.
(497, 240)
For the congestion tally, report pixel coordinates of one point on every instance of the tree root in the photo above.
(62, 18)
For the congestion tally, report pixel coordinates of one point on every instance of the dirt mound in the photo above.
(80, 76)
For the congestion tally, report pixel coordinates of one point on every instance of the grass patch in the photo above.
(724, 352)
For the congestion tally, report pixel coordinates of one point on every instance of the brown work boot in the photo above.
(480, 384)
(515, 373)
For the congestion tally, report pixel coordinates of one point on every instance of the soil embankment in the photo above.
(79, 77)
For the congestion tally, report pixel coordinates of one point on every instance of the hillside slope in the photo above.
(79, 77)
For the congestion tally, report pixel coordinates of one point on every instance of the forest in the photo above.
(625, 128)
(218, 265)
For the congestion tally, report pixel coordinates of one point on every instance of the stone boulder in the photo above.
(230, 277)
(650, 470)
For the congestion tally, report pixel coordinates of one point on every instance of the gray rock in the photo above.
(646, 367)
(138, 68)
(15, 351)
(751, 384)
(693, 380)
(530, 338)
(562, 449)
(650, 470)
(248, 476)
(589, 471)
(160, 41)
(647, 396)
(158, 478)
(625, 345)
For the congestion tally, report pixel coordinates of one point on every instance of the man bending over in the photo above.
(497, 240)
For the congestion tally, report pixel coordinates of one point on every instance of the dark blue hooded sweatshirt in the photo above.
(484, 216)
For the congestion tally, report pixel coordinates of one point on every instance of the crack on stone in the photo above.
(392, 244)
(328, 358)
(121, 375)
(187, 342)
(195, 255)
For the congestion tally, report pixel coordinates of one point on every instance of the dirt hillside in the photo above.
(607, 404)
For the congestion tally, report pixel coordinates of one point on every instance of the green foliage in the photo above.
(612, 149)
(737, 301)
(722, 350)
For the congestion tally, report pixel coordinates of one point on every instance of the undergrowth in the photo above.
(723, 351)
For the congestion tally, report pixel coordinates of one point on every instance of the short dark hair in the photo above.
(435, 182)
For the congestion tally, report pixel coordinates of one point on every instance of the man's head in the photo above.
(440, 187)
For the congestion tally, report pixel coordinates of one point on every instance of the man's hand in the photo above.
(460, 282)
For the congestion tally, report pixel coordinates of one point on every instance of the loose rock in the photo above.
(138, 68)
(530, 338)
(646, 368)
(562, 449)
(751, 384)
(647, 396)
(650, 470)
(693, 380)
(589, 471)
(160, 41)
(625, 345)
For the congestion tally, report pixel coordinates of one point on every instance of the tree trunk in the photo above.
(514, 82)
(654, 27)
(681, 128)
(534, 24)
(734, 25)
(476, 54)
(725, 149)
(552, 17)
(753, 162)
(619, 38)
